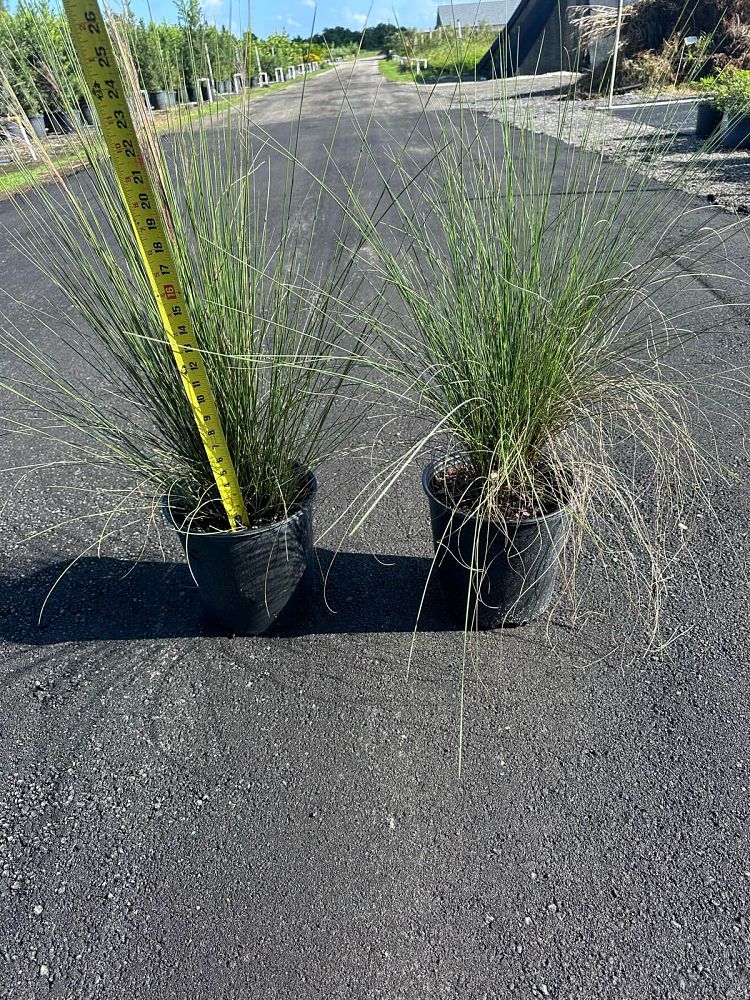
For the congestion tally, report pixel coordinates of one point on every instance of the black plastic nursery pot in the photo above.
(247, 578)
(491, 574)
(708, 121)
(87, 113)
(37, 123)
(62, 122)
(159, 99)
(191, 94)
(207, 93)
(737, 133)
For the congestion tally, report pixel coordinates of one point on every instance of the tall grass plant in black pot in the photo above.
(264, 307)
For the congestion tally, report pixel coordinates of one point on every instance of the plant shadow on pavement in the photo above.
(102, 599)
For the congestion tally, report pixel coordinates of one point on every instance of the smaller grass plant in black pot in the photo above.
(531, 326)
(531, 336)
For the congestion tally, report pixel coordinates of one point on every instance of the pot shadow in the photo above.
(105, 598)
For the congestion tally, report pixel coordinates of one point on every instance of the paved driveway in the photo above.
(185, 815)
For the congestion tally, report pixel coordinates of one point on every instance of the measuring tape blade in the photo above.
(105, 84)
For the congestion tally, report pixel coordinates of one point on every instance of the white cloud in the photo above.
(351, 18)
(419, 15)
(288, 20)
(309, 3)
(213, 3)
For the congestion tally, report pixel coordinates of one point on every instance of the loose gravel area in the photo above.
(659, 139)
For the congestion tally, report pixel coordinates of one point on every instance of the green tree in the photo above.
(41, 35)
(193, 29)
(148, 56)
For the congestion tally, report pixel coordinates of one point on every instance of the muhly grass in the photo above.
(256, 290)
(544, 301)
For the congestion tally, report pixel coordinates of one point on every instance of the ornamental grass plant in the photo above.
(545, 317)
(243, 232)
(545, 327)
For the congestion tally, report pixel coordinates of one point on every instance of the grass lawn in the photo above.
(391, 70)
(440, 65)
(14, 179)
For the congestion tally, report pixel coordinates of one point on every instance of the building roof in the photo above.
(494, 12)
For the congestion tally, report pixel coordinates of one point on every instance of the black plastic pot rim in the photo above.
(460, 515)
(244, 532)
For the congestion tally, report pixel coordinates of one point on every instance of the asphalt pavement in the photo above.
(189, 815)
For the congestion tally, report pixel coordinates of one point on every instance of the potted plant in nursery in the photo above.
(149, 60)
(32, 106)
(531, 331)
(17, 90)
(11, 125)
(189, 48)
(709, 115)
(269, 335)
(50, 87)
(32, 109)
(732, 97)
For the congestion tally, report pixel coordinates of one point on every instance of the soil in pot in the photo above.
(737, 132)
(251, 579)
(708, 121)
(503, 570)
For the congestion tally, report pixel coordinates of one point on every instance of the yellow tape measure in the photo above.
(97, 58)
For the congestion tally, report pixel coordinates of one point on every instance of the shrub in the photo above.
(730, 90)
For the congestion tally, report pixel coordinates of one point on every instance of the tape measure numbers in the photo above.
(94, 49)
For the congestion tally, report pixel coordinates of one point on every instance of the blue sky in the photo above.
(297, 15)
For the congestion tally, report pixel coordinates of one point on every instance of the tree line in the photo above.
(377, 38)
(39, 67)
